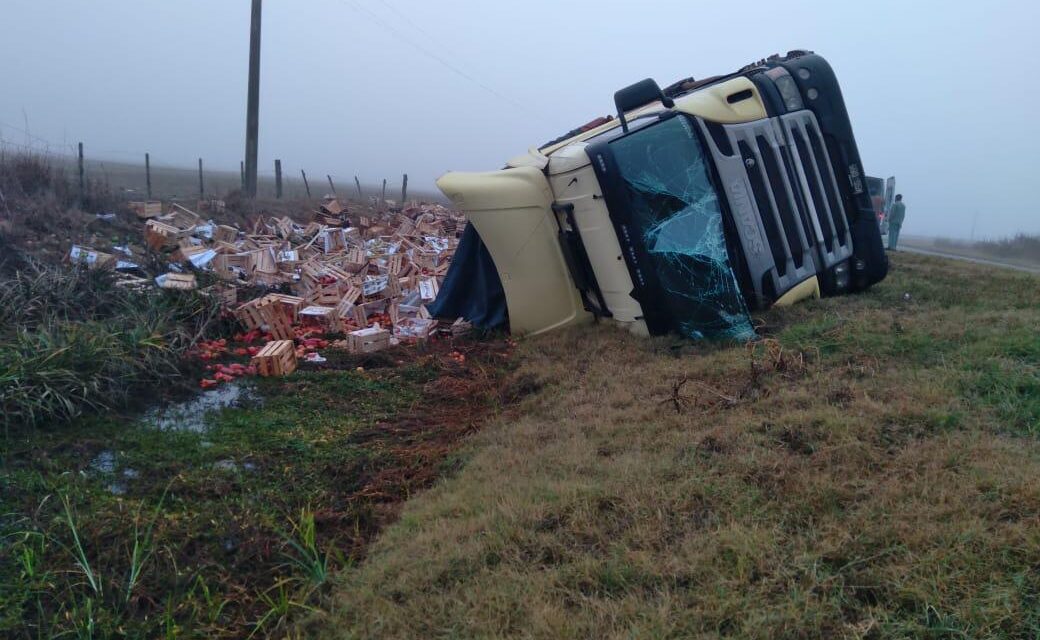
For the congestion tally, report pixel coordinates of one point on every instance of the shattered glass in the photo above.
(676, 210)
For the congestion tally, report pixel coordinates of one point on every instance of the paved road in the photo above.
(954, 256)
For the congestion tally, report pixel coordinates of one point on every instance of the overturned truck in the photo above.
(694, 206)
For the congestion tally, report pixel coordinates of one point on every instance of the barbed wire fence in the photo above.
(142, 175)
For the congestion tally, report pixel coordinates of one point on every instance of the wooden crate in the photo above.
(224, 233)
(249, 314)
(363, 310)
(368, 340)
(277, 358)
(394, 264)
(228, 296)
(425, 259)
(91, 257)
(182, 217)
(327, 295)
(145, 210)
(159, 234)
(291, 304)
(322, 317)
(274, 312)
(178, 281)
(332, 207)
(418, 329)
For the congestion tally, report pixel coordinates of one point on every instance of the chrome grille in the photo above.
(779, 168)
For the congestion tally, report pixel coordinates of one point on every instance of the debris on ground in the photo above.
(92, 258)
(359, 276)
(148, 209)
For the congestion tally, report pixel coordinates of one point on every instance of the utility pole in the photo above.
(278, 179)
(305, 185)
(358, 183)
(148, 174)
(202, 190)
(383, 201)
(404, 189)
(253, 102)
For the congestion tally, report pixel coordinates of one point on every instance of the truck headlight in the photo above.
(787, 87)
(841, 276)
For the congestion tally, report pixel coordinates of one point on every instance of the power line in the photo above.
(404, 16)
(430, 54)
(32, 136)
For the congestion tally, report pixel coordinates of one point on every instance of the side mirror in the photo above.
(636, 95)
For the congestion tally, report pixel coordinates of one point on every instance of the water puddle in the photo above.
(191, 414)
(232, 466)
(104, 467)
(104, 462)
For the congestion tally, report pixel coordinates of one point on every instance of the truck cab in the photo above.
(693, 207)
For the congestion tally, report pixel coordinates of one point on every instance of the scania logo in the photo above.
(745, 216)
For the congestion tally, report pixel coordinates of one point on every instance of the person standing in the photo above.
(895, 221)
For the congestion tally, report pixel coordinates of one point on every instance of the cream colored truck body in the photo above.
(511, 210)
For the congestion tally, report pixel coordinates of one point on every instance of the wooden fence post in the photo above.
(305, 185)
(383, 201)
(358, 183)
(242, 169)
(331, 186)
(404, 189)
(202, 190)
(148, 174)
(278, 179)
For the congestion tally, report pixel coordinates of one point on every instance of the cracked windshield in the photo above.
(676, 209)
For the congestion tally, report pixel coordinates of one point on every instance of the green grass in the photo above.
(71, 341)
(226, 533)
(876, 475)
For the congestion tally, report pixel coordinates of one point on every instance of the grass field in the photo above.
(1021, 250)
(227, 524)
(870, 470)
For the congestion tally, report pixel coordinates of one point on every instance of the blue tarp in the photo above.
(472, 289)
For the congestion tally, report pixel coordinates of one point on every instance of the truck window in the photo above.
(675, 209)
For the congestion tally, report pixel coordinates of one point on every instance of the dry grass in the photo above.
(872, 473)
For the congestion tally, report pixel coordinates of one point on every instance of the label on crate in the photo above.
(374, 285)
(437, 243)
(205, 230)
(428, 289)
(86, 256)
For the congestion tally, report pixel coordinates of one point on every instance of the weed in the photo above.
(80, 556)
(307, 559)
(142, 547)
(280, 603)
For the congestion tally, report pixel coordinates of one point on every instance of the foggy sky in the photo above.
(941, 94)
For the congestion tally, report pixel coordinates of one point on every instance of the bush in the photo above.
(72, 341)
(28, 180)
